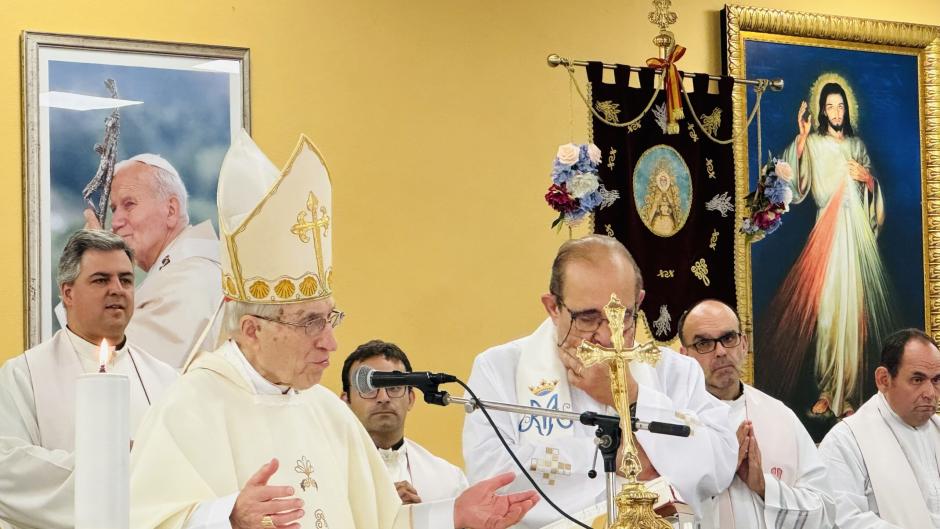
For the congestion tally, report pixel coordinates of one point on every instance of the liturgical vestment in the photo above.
(214, 430)
(37, 423)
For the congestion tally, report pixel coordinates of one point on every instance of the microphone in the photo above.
(368, 379)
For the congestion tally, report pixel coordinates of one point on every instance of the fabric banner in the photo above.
(676, 210)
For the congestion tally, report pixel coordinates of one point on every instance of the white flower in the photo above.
(582, 184)
(594, 153)
(784, 171)
(568, 154)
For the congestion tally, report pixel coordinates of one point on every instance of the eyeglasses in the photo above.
(707, 345)
(314, 326)
(393, 392)
(588, 321)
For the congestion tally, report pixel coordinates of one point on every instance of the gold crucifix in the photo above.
(313, 225)
(634, 501)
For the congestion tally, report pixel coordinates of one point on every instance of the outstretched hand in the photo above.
(479, 507)
(258, 499)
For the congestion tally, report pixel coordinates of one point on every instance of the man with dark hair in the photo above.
(542, 370)
(781, 479)
(834, 298)
(37, 413)
(419, 475)
(884, 461)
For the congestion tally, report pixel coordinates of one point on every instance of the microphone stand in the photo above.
(607, 433)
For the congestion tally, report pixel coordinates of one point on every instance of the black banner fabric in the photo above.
(676, 208)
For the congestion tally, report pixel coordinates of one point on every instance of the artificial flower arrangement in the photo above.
(576, 189)
(769, 201)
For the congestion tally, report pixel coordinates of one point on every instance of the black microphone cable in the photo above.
(516, 459)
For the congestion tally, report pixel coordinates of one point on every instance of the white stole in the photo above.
(900, 500)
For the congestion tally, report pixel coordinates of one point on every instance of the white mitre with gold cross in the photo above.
(275, 226)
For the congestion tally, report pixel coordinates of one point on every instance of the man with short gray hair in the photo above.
(181, 292)
(37, 423)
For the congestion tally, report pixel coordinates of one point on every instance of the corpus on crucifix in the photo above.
(634, 501)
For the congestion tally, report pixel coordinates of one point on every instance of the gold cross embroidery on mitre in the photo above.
(617, 358)
(313, 225)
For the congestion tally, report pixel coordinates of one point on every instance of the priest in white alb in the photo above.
(419, 475)
(884, 461)
(781, 480)
(247, 438)
(542, 370)
(181, 292)
(37, 388)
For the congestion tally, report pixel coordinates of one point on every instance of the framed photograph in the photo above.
(855, 133)
(183, 102)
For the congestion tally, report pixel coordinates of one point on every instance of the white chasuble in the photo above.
(432, 477)
(884, 472)
(214, 431)
(559, 453)
(37, 423)
(797, 493)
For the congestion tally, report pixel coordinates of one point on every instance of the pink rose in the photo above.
(594, 153)
(784, 171)
(568, 154)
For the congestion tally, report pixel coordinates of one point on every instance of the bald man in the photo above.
(780, 480)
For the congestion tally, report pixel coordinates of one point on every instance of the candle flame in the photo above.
(103, 353)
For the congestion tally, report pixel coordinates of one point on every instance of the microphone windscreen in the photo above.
(363, 379)
(666, 428)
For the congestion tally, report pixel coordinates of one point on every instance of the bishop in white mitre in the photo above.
(37, 388)
(884, 461)
(541, 370)
(247, 438)
(781, 479)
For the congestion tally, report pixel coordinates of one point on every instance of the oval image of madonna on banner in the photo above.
(662, 190)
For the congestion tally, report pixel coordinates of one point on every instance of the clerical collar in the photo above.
(84, 347)
(399, 444)
(260, 384)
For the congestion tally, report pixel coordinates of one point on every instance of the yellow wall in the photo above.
(439, 120)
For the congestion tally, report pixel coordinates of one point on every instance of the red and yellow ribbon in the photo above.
(672, 86)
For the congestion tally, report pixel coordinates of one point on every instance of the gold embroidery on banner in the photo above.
(692, 133)
(320, 519)
(700, 269)
(714, 240)
(610, 110)
(710, 167)
(309, 286)
(305, 467)
(259, 289)
(551, 467)
(711, 122)
(284, 289)
(666, 274)
(634, 126)
(611, 157)
(609, 230)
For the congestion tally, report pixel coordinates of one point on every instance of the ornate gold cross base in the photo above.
(635, 509)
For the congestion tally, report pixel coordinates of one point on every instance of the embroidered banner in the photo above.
(676, 210)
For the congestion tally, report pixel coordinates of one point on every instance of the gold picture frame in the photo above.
(752, 41)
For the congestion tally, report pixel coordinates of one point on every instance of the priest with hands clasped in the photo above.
(247, 438)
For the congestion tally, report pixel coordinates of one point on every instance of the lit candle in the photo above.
(102, 448)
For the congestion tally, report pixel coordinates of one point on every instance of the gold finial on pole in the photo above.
(663, 18)
(634, 501)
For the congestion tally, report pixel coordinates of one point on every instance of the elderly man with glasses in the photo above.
(419, 475)
(781, 480)
(542, 370)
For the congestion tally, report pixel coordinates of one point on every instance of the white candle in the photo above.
(102, 449)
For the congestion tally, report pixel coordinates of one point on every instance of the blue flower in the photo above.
(561, 173)
(776, 223)
(779, 192)
(588, 202)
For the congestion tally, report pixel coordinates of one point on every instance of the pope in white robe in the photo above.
(781, 479)
(37, 411)
(182, 290)
(537, 371)
(884, 461)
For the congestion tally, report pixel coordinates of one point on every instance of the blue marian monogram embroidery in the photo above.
(545, 425)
